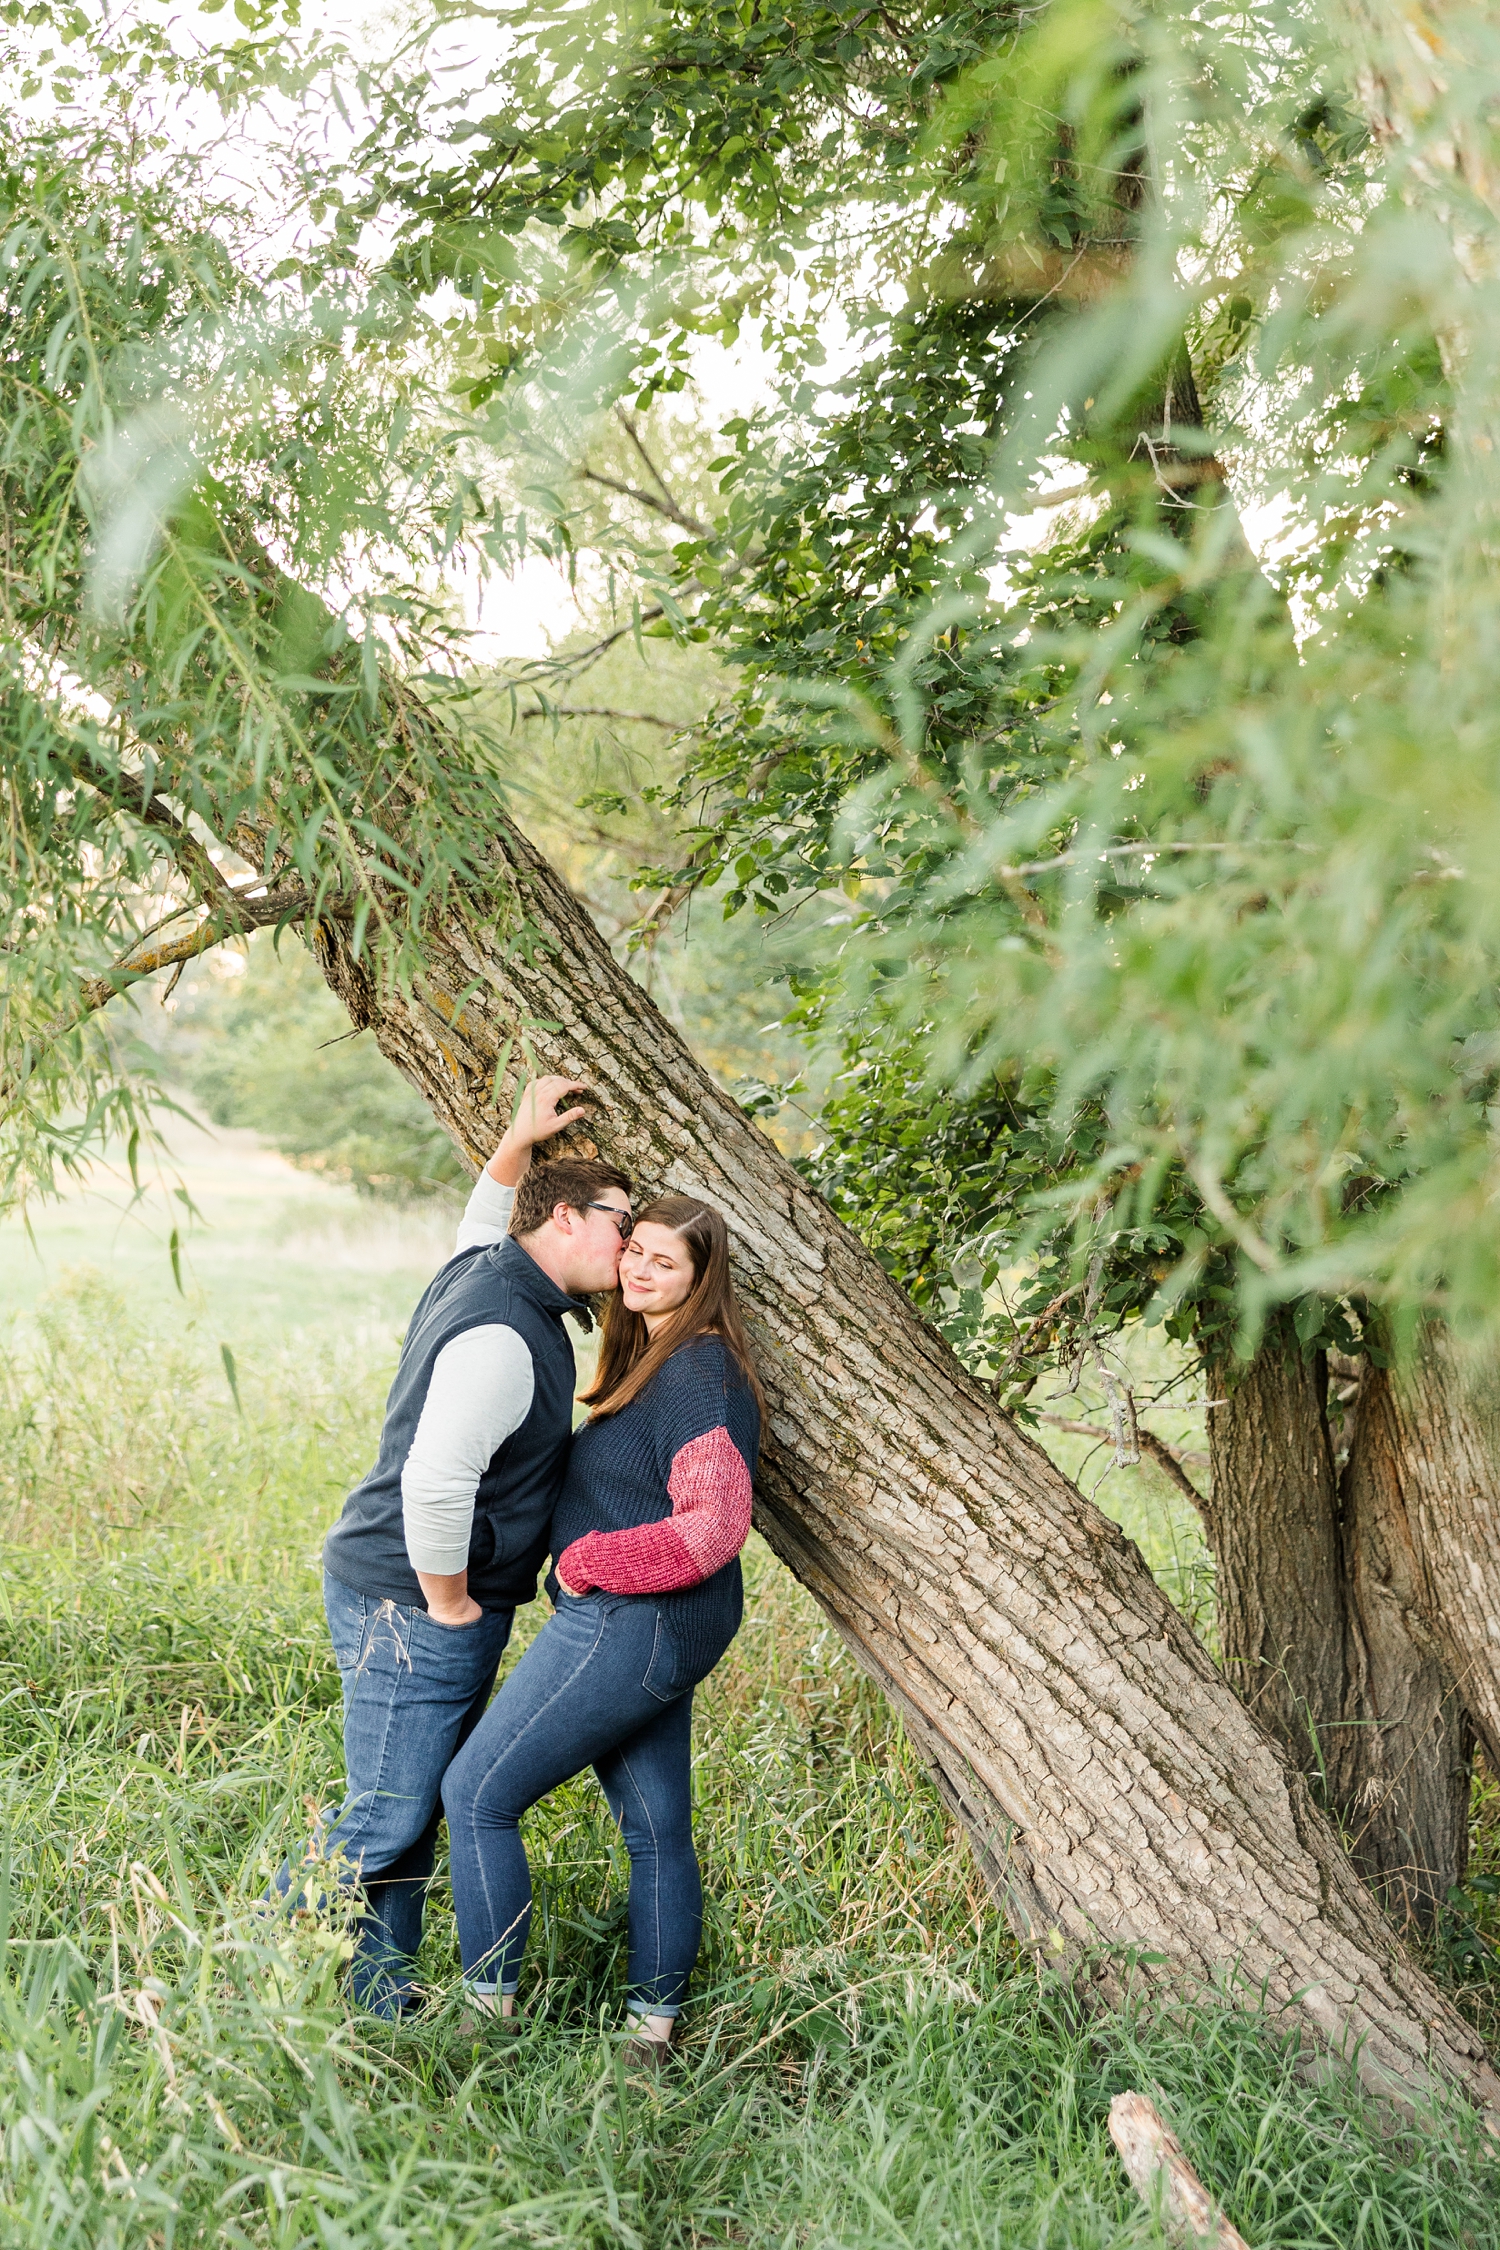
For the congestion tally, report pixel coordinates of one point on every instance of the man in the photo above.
(442, 1539)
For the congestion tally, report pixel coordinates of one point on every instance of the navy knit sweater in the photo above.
(655, 1504)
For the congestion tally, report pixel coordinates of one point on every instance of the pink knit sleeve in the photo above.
(709, 1486)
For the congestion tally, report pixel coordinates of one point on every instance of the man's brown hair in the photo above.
(574, 1180)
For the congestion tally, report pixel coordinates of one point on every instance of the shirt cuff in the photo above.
(426, 1552)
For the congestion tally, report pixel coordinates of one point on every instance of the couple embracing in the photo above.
(478, 1479)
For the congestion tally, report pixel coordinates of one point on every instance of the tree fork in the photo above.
(1121, 1800)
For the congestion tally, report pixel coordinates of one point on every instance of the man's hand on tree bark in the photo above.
(537, 1118)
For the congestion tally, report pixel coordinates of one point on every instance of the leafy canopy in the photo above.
(1164, 861)
(1150, 851)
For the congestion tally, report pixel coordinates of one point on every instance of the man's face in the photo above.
(596, 1236)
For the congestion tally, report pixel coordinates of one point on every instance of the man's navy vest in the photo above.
(366, 1548)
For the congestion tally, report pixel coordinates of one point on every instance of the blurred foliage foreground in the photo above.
(867, 2060)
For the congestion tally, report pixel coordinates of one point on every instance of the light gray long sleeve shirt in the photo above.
(481, 1390)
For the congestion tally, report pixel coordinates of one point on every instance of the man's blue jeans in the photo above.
(601, 1685)
(414, 1691)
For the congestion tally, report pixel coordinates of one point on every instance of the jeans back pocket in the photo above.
(664, 1674)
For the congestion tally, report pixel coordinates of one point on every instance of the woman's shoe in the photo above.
(647, 2054)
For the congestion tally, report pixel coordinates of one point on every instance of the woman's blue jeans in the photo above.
(413, 1692)
(598, 1686)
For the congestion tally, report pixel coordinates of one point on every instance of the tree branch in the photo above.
(229, 912)
(231, 919)
(193, 859)
(1172, 1464)
(631, 428)
(572, 664)
(667, 507)
(600, 711)
(650, 924)
(140, 961)
(1167, 1459)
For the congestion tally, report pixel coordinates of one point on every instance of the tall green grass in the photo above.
(867, 2060)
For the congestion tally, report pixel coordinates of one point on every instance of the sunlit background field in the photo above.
(868, 2060)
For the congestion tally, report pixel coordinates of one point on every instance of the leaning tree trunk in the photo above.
(1121, 1800)
(1321, 1617)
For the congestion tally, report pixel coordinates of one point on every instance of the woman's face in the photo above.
(656, 1272)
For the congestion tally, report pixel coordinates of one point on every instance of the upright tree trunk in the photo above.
(1400, 1773)
(1120, 1798)
(1278, 1548)
(1322, 1623)
(1440, 1421)
(1320, 1626)
(1414, 71)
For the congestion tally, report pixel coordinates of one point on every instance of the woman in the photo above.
(655, 1508)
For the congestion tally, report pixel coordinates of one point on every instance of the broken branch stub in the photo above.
(1163, 2178)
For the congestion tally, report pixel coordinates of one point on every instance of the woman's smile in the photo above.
(656, 1272)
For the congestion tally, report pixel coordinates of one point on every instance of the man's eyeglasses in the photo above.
(622, 1219)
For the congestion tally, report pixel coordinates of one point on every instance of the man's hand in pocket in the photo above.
(448, 1598)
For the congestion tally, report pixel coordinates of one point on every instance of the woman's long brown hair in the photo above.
(630, 1355)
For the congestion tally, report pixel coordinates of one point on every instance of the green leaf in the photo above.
(231, 1376)
(497, 1082)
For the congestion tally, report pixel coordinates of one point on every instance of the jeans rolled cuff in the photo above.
(479, 1989)
(642, 2004)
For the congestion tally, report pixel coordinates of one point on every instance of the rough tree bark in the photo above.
(1321, 1617)
(1400, 1766)
(1438, 1415)
(1123, 1804)
(1273, 1522)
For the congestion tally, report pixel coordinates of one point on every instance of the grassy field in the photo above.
(867, 2060)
